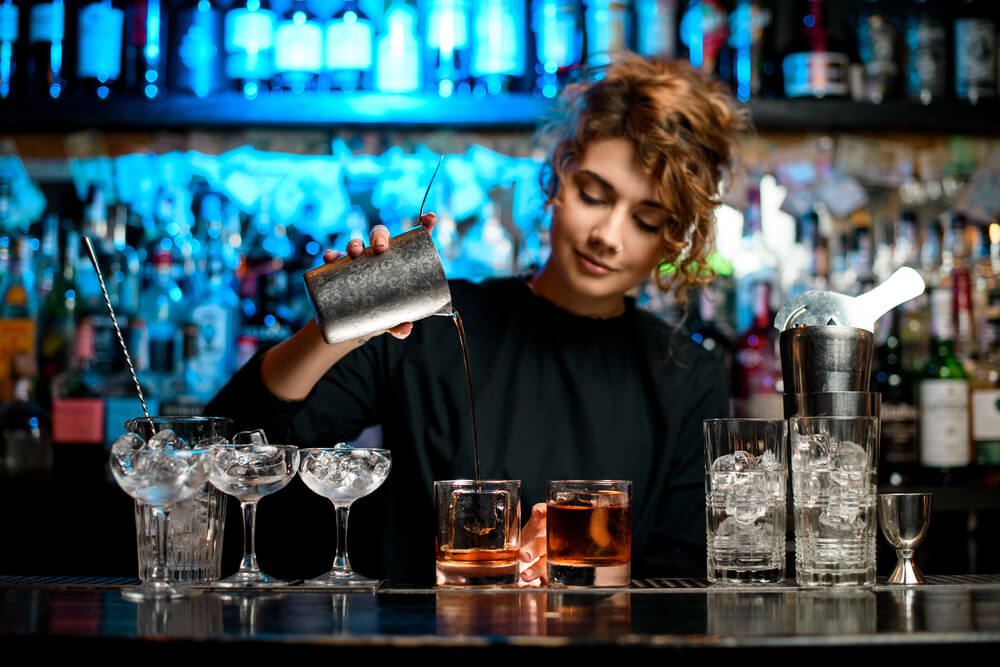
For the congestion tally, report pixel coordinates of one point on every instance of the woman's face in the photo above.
(607, 230)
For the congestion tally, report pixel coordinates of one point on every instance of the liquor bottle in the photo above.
(77, 403)
(708, 324)
(656, 28)
(46, 67)
(398, 62)
(249, 43)
(927, 52)
(943, 394)
(558, 43)
(753, 68)
(350, 47)
(878, 49)
(25, 427)
(985, 395)
(975, 51)
(703, 30)
(757, 381)
(161, 309)
(816, 65)
(46, 261)
(9, 24)
(298, 49)
(447, 44)
(498, 45)
(57, 320)
(100, 35)
(145, 54)
(18, 310)
(125, 264)
(121, 399)
(899, 447)
(196, 64)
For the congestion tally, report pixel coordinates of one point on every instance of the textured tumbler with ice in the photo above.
(478, 532)
(834, 481)
(746, 468)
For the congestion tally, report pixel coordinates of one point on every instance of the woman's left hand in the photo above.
(532, 555)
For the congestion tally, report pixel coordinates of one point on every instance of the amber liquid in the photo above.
(457, 319)
(591, 536)
(478, 557)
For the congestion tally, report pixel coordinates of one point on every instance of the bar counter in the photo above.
(679, 619)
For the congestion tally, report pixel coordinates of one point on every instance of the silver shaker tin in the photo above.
(354, 298)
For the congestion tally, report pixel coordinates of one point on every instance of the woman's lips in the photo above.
(591, 265)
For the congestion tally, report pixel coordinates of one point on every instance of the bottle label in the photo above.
(100, 47)
(214, 334)
(248, 30)
(17, 336)
(78, 421)
(816, 74)
(928, 49)
(975, 58)
(298, 47)
(46, 23)
(8, 23)
(944, 423)
(899, 432)
(985, 414)
(349, 45)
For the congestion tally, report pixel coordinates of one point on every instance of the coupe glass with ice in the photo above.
(746, 473)
(250, 469)
(158, 473)
(196, 524)
(343, 474)
(589, 532)
(834, 480)
(478, 532)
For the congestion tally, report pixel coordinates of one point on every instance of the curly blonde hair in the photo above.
(684, 128)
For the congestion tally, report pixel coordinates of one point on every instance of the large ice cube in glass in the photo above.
(478, 519)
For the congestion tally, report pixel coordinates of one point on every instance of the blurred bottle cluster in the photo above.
(872, 50)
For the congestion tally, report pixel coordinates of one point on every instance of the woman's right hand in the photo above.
(379, 242)
(533, 546)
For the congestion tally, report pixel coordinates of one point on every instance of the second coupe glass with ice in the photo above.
(343, 474)
(250, 469)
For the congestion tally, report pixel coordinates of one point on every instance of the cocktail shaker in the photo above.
(827, 372)
(355, 297)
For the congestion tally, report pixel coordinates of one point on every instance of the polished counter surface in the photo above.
(682, 617)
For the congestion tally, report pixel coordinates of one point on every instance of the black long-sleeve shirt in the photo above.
(558, 396)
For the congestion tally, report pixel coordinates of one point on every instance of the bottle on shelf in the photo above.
(9, 26)
(752, 70)
(25, 427)
(46, 66)
(926, 52)
(77, 394)
(984, 401)
(498, 45)
(100, 35)
(57, 319)
(447, 45)
(975, 39)
(558, 43)
(816, 63)
(656, 28)
(398, 62)
(350, 47)
(298, 49)
(878, 49)
(146, 47)
(703, 30)
(18, 308)
(196, 66)
(249, 45)
(162, 307)
(943, 394)
(899, 444)
(757, 382)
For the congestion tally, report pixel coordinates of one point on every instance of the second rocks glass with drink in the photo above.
(478, 532)
(589, 532)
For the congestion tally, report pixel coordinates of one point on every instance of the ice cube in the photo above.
(811, 451)
(743, 461)
(841, 518)
(255, 437)
(166, 439)
(850, 456)
(769, 461)
(477, 519)
(747, 500)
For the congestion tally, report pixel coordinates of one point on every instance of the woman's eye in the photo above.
(587, 199)
(645, 226)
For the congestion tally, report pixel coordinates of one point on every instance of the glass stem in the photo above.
(159, 573)
(341, 564)
(249, 563)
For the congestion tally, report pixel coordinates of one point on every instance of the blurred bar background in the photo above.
(213, 150)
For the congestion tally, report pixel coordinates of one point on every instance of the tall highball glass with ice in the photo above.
(834, 482)
(746, 474)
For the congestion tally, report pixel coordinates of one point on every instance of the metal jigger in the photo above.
(904, 518)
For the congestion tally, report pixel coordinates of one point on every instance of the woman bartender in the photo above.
(571, 380)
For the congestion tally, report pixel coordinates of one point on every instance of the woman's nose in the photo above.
(608, 234)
